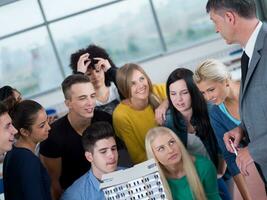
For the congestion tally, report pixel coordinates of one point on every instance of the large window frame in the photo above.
(261, 4)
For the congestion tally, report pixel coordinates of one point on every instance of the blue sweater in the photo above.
(25, 178)
(221, 124)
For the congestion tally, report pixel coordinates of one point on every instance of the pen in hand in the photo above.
(233, 147)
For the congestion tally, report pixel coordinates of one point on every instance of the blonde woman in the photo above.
(184, 176)
(217, 86)
(135, 115)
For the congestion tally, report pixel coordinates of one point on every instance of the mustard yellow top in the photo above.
(132, 125)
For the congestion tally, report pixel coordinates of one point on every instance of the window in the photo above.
(183, 23)
(128, 34)
(40, 36)
(27, 63)
(19, 15)
(60, 8)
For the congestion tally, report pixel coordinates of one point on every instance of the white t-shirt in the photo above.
(113, 94)
(112, 102)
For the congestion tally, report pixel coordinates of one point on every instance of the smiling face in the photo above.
(82, 100)
(40, 129)
(180, 96)
(166, 149)
(139, 86)
(214, 91)
(104, 157)
(7, 132)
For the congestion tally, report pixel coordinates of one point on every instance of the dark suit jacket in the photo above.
(253, 101)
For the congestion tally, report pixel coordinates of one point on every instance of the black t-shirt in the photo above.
(63, 141)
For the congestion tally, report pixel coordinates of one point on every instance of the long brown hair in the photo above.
(124, 77)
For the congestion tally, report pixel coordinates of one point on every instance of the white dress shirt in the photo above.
(249, 48)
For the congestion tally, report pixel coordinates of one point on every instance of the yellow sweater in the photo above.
(132, 125)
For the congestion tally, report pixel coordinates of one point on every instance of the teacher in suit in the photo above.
(236, 21)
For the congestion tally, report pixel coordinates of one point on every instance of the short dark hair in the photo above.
(5, 92)
(7, 96)
(3, 109)
(72, 80)
(94, 51)
(97, 131)
(244, 8)
(24, 114)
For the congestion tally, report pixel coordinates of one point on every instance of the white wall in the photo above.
(158, 69)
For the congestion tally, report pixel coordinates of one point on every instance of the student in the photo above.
(62, 153)
(188, 177)
(101, 151)
(188, 118)
(135, 115)
(237, 22)
(7, 92)
(25, 177)
(217, 86)
(9, 96)
(95, 62)
(7, 130)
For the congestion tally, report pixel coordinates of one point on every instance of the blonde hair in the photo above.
(188, 165)
(212, 70)
(124, 82)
